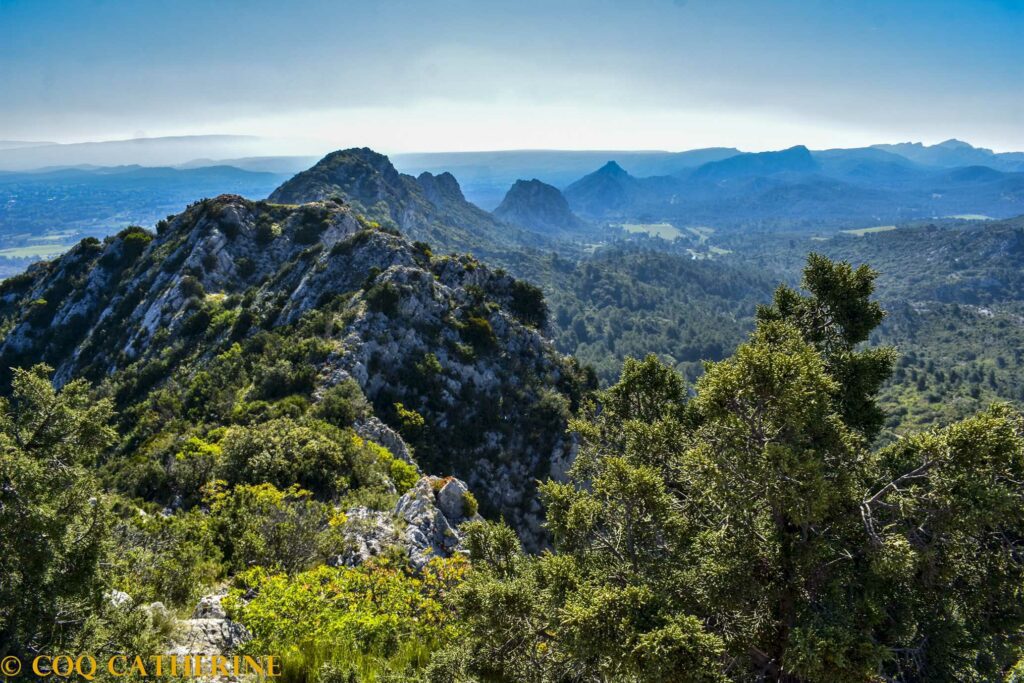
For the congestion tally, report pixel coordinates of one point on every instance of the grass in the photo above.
(665, 231)
(860, 232)
(972, 217)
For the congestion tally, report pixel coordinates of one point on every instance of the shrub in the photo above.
(372, 622)
(478, 333)
(282, 530)
(266, 230)
(342, 404)
(383, 298)
(170, 558)
(528, 305)
(469, 504)
(283, 452)
(194, 466)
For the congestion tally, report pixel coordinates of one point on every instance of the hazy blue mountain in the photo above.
(485, 176)
(17, 144)
(868, 164)
(540, 207)
(607, 191)
(267, 164)
(797, 189)
(163, 151)
(793, 160)
(956, 153)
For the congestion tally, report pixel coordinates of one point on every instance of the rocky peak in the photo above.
(607, 189)
(613, 169)
(442, 189)
(540, 207)
(430, 208)
(357, 175)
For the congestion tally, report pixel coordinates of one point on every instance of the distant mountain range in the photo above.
(485, 176)
(956, 153)
(799, 189)
(428, 207)
(161, 151)
(538, 196)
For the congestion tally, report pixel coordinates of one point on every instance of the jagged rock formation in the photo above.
(429, 208)
(424, 524)
(540, 207)
(451, 341)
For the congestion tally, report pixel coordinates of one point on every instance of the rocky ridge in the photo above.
(447, 338)
(429, 207)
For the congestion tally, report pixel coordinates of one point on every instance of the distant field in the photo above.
(972, 217)
(35, 251)
(701, 233)
(860, 232)
(663, 230)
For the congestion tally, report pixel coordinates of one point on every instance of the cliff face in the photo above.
(439, 343)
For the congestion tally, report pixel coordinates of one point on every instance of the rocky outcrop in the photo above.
(432, 512)
(424, 524)
(540, 207)
(372, 429)
(208, 631)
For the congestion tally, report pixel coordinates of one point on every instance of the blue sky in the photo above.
(405, 76)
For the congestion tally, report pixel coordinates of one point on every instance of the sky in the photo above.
(402, 76)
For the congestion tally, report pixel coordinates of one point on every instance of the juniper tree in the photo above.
(750, 533)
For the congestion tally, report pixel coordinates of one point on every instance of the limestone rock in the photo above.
(209, 631)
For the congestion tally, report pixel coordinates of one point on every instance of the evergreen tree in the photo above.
(750, 534)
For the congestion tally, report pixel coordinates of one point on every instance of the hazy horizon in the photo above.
(452, 76)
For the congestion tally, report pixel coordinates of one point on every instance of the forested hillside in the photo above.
(247, 443)
(286, 428)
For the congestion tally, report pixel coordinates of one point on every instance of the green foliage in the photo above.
(172, 559)
(411, 423)
(469, 504)
(478, 333)
(836, 317)
(370, 623)
(749, 534)
(263, 526)
(267, 230)
(342, 404)
(283, 452)
(195, 466)
(528, 304)
(52, 524)
(383, 298)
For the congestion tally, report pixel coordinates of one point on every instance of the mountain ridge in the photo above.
(442, 338)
